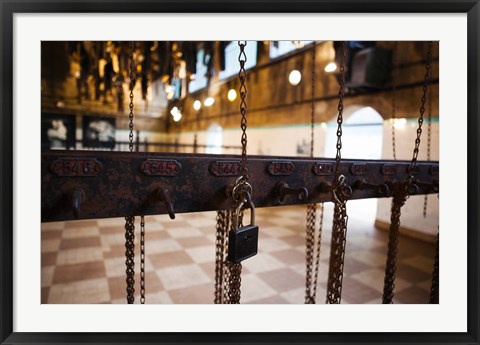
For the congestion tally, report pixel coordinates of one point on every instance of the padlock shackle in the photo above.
(248, 201)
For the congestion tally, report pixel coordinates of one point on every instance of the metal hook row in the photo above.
(159, 195)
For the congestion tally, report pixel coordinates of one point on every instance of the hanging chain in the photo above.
(309, 251)
(234, 282)
(130, 220)
(129, 257)
(311, 267)
(230, 272)
(429, 139)
(341, 192)
(434, 290)
(317, 258)
(242, 75)
(220, 245)
(142, 260)
(132, 84)
(394, 92)
(311, 208)
(341, 95)
(422, 108)
(312, 109)
(401, 192)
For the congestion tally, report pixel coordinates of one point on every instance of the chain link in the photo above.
(341, 193)
(132, 85)
(317, 257)
(130, 257)
(234, 282)
(220, 245)
(142, 260)
(309, 251)
(422, 107)
(227, 274)
(394, 92)
(242, 75)
(341, 95)
(312, 110)
(429, 140)
(400, 195)
(434, 290)
(401, 192)
(337, 254)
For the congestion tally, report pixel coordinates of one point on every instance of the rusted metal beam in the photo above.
(86, 184)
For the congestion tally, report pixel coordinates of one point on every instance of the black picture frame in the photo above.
(10, 7)
(55, 138)
(98, 132)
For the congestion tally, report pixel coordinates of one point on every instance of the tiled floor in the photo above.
(83, 261)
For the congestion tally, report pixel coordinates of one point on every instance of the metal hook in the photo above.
(282, 189)
(325, 187)
(161, 195)
(381, 188)
(78, 196)
(342, 187)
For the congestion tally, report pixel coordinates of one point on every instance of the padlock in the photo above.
(243, 241)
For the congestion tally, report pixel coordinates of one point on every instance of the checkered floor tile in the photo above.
(83, 261)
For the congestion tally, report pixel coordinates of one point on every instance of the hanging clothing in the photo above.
(190, 56)
(223, 54)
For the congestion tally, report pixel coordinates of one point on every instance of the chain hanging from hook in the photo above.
(341, 192)
(401, 192)
(312, 247)
(130, 220)
(434, 290)
(429, 140)
(228, 274)
(394, 95)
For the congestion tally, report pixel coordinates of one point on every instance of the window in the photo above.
(231, 58)
(201, 79)
(279, 48)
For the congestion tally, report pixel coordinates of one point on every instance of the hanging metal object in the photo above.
(242, 240)
(394, 95)
(434, 290)
(429, 140)
(401, 191)
(341, 192)
(130, 220)
(221, 238)
(312, 247)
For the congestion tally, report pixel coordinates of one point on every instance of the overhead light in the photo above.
(209, 101)
(294, 77)
(197, 105)
(169, 90)
(174, 111)
(176, 114)
(178, 117)
(331, 67)
(232, 95)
